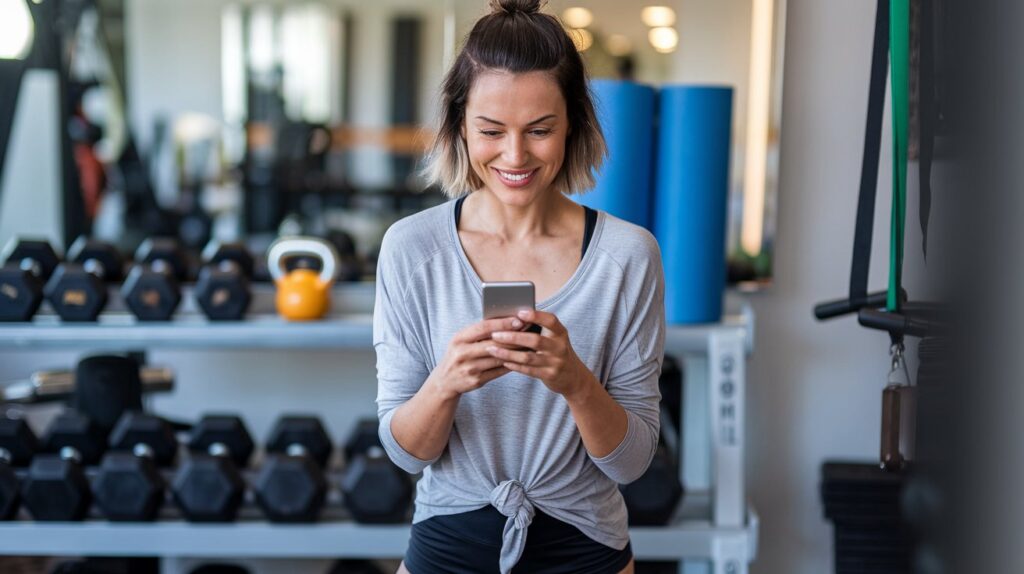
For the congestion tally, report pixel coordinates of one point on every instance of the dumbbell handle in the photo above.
(58, 385)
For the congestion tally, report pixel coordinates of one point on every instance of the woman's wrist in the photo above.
(438, 391)
(580, 392)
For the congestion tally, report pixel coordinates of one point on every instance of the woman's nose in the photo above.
(515, 150)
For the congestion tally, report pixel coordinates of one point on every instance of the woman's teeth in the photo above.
(514, 177)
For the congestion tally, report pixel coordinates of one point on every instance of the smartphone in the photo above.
(506, 298)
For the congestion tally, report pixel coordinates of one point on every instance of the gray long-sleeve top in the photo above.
(514, 443)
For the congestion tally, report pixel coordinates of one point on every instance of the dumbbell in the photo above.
(222, 290)
(209, 486)
(350, 267)
(61, 384)
(56, 487)
(27, 265)
(291, 486)
(128, 486)
(652, 498)
(17, 445)
(77, 290)
(152, 290)
(375, 490)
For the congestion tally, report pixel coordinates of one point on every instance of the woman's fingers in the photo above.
(482, 330)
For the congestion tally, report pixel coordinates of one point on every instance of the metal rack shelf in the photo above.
(348, 326)
(690, 536)
(716, 525)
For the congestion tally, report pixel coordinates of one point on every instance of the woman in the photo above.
(510, 440)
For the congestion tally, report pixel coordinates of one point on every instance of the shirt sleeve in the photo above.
(633, 378)
(401, 365)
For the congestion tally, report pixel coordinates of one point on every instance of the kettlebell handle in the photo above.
(290, 246)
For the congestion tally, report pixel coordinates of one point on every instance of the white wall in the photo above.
(815, 388)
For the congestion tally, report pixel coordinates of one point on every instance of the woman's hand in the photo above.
(467, 365)
(548, 356)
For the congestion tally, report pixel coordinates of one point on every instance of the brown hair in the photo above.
(516, 37)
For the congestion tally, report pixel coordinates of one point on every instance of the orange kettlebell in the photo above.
(302, 294)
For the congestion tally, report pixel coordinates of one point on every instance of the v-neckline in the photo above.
(561, 292)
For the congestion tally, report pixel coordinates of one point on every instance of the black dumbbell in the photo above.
(291, 486)
(128, 486)
(152, 290)
(17, 445)
(375, 490)
(350, 267)
(56, 487)
(209, 486)
(27, 265)
(651, 500)
(222, 290)
(77, 291)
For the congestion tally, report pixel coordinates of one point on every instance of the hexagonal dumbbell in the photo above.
(128, 486)
(374, 489)
(152, 290)
(77, 291)
(209, 487)
(27, 265)
(56, 487)
(17, 445)
(291, 486)
(222, 289)
(651, 500)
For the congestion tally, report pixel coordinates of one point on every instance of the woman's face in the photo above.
(515, 128)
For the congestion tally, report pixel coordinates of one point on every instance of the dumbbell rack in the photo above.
(714, 522)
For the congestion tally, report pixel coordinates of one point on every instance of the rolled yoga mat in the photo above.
(691, 188)
(624, 187)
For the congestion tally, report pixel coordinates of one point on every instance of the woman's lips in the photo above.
(519, 178)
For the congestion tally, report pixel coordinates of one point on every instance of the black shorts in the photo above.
(470, 543)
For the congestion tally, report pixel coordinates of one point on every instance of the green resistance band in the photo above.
(899, 52)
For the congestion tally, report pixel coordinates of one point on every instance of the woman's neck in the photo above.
(482, 212)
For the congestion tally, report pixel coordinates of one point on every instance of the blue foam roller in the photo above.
(624, 187)
(691, 189)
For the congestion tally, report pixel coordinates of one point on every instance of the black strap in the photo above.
(589, 222)
(926, 114)
(869, 163)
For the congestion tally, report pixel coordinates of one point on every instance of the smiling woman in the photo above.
(515, 429)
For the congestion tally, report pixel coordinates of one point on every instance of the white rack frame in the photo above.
(715, 525)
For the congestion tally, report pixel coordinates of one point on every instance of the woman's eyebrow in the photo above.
(536, 121)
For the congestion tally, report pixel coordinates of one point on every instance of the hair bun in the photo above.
(513, 7)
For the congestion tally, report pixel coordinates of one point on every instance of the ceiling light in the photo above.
(618, 45)
(658, 16)
(664, 40)
(16, 29)
(577, 17)
(582, 38)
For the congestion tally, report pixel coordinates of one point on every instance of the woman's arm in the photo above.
(601, 421)
(422, 424)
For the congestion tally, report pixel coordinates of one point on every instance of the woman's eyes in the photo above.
(496, 133)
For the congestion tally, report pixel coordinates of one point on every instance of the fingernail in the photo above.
(524, 314)
(517, 323)
(500, 336)
(491, 349)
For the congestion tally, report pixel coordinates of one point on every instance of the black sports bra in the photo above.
(589, 222)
